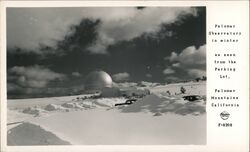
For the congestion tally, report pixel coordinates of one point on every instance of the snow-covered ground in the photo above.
(156, 119)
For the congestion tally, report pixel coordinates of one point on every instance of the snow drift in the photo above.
(158, 118)
(166, 104)
(30, 134)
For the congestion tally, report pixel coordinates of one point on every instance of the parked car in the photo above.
(128, 102)
(192, 97)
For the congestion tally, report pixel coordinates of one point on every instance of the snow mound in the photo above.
(158, 104)
(30, 134)
(86, 105)
(157, 114)
(33, 111)
(73, 106)
(92, 103)
(70, 105)
(51, 107)
(107, 102)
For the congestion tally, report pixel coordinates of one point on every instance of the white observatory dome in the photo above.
(97, 80)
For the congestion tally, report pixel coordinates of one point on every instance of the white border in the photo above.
(213, 140)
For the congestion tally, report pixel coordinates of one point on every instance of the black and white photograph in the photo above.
(106, 75)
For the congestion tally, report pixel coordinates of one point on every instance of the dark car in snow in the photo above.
(192, 97)
(128, 102)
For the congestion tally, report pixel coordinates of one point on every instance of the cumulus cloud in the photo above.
(131, 23)
(176, 64)
(32, 76)
(190, 56)
(13, 87)
(172, 57)
(76, 74)
(197, 73)
(172, 78)
(28, 28)
(121, 76)
(125, 84)
(149, 75)
(191, 60)
(168, 71)
(19, 92)
(147, 84)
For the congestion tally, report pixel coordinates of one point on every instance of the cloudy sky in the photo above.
(51, 50)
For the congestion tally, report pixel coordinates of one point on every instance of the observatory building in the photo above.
(101, 82)
(97, 80)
